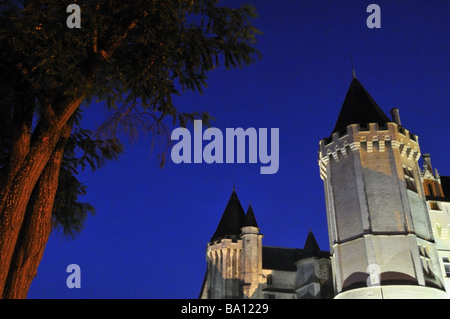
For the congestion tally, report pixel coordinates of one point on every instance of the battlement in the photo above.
(371, 138)
(222, 243)
(372, 128)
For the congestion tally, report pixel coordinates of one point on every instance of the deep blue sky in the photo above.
(148, 237)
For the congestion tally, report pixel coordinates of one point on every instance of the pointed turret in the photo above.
(232, 219)
(311, 246)
(251, 254)
(432, 181)
(427, 163)
(250, 219)
(359, 108)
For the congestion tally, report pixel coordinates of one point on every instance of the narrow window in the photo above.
(430, 190)
(447, 270)
(434, 206)
(269, 280)
(409, 179)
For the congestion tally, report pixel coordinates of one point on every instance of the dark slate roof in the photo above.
(280, 258)
(445, 182)
(311, 246)
(232, 219)
(250, 219)
(359, 108)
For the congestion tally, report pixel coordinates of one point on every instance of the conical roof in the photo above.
(359, 108)
(232, 219)
(311, 246)
(250, 219)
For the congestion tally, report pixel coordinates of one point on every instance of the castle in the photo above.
(388, 222)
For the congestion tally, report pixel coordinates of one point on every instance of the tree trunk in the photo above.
(22, 109)
(21, 131)
(17, 192)
(36, 227)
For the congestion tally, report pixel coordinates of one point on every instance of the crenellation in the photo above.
(371, 140)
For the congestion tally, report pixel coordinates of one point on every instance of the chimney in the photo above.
(395, 113)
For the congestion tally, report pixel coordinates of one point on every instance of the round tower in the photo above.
(223, 255)
(381, 242)
(251, 255)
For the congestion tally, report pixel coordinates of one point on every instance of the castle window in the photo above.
(447, 270)
(446, 266)
(269, 280)
(426, 267)
(423, 251)
(426, 262)
(434, 206)
(430, 190)
(409, 179)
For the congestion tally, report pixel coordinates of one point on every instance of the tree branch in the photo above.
(106, 54)
(95, 33)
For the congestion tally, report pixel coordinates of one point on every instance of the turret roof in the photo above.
(250, 219)
(232, 219)
(311, 246)
(359, 108)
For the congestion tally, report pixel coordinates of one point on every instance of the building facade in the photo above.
(437, 192)
(239, 266)
(388, 222)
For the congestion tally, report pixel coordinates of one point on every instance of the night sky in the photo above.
(152, 224)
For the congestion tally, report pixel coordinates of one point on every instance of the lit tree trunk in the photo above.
(36, 226)
(23, 110)
(17, 191)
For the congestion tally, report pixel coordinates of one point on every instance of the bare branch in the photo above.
(132, 119)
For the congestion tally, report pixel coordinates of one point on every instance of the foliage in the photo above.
(81, 151)
(132, 56)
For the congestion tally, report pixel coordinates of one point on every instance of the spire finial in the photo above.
(353, 68)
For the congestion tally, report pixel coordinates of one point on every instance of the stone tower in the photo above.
(381, 242)
(234, 255)
(251, 255)
(223, 254)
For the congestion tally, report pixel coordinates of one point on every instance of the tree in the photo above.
(132, 56)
